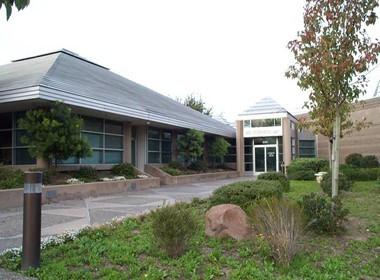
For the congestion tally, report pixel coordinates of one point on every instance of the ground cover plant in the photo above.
(127, 249)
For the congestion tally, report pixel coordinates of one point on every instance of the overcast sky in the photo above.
(229, 53)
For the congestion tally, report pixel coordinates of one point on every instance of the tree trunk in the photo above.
(330, 152)
(335, 154)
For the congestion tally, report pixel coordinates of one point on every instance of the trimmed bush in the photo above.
(176, 165)
(199, 166)
(10, 179)
(354, 173)
(354, 159)
(173, 228)
(123, 169)
(370, 161)
(171, 171)
(344, 183)
(305, 168)
(86, 174)
(245, 193)
(279, 223)
(324, 215)
(47, 174)
(276, 176)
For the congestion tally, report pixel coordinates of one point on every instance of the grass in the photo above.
(126, 250)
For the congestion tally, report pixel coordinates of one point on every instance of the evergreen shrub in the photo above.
(305, 168)
(123, 169)
(354, 173)
(174, 226)
(245, 193)
(344, 183)
(276, 176)
(323, 215)
(199, 166)
(354, 159)
(86, 174)
(10, 179)
(370, 161)
(176, 165)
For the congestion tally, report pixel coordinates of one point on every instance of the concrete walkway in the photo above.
(75, 214)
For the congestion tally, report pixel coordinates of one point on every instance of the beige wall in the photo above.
(366, 141)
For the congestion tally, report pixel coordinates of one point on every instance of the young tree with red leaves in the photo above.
(332, 55)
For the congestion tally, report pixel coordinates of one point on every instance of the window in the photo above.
(306, 148)
(293, 148)
(106, 140)
(264, 123)
(159, 145)
(12, 150)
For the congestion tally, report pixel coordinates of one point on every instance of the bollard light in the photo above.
(31, 241)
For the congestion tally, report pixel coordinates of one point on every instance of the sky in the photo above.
(229, 53)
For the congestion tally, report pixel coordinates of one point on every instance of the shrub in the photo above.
(245, 193)
(279, 223)
(123, 169)
(10, 179)
(171, 171)
(173, 227)
(86, 173)
(354, 159)
(354, 173)
(276, 176)
(344, 183)
(176, 165)
(199, 166)
(305, 168)
(370, 161)
(323, 215)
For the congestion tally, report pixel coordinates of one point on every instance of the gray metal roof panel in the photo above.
(264, 106)
(63, 75)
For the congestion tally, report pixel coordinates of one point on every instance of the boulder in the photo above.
(228, 220)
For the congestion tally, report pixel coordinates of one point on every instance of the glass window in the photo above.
(153, 145)
(71, 160)
(114, 127)
(18, 134)
(114, 142)
(6, 156)
(166, 146)
(92, 124)
(166, 157)
(96, 158)
(153, 157)
(277, 122)
(114, 156)
(95, 140)
(17, 116)
(22, 156)
(6, 138)
(306, 148)
(166, 135)
(153, 133)
(6, 121)
(247, 123)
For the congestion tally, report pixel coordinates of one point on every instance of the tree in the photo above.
(191, 144)
(197, 104)
(20, 5)
(218, 148)
(332, 55)
(54, 134)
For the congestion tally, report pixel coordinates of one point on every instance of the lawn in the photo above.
(126, 249)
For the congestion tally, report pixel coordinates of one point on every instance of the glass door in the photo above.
(265, 159)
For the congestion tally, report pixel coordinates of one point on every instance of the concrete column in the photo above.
(141, 151)
(240, 147)
(127, 142)
(286, 141)
(174, 145)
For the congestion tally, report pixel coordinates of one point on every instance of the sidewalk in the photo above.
(74, 214)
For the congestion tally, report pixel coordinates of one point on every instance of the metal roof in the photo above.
(264, 106)
(63, 75)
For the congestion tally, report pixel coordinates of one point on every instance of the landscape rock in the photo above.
(228, 220)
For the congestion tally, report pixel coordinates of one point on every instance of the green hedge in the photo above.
(354, 173)
(245, 193)
(305, 168)
(276, 176)
(344, 183)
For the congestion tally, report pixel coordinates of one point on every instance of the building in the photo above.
(365, 141)
(267, 138)
(123, 121)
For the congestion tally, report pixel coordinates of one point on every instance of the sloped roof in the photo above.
(64, 75)
(264, 106)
